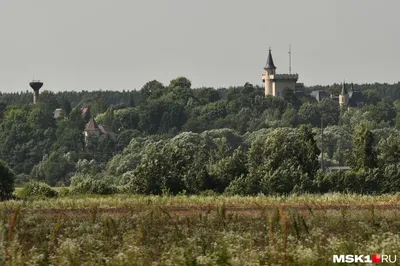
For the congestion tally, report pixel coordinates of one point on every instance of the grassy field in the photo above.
(197, 230)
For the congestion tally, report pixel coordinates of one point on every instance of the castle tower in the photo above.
(344, 96)
(269, 75)
(36, 85)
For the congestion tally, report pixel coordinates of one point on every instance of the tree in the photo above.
(284, 149)
(389, 150)
(229, 168)
(55, 168)
(161, 116)
(289, 117)
(289, 96)
(6, 181)
(330, 111)
(206, 95)
(76, 119)
(100, 147)
(371, 97)
(48, 101)
(125, 137)
(150, 91)
(364, 154)
(308, 151)
(69, 137)
(66, 106)
(98, 105)
(180, 82)
(309, 113)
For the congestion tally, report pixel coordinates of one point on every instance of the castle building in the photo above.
(352, 99)
(276, 83)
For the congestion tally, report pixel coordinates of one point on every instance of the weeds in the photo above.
(177, 230)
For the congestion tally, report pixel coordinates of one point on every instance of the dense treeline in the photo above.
(175, 139)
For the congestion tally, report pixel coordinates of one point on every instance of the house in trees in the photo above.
(319, 95)
(352, 99)
(276, 83)
(93, 128)
(84, 111)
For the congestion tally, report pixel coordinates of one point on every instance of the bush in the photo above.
(64, 191)
(90, 185)
(6, 181)
(37, 189)
(243, 185)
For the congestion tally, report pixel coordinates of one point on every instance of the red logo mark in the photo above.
(376, 258)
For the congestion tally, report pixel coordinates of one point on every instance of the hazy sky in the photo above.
(122, 44)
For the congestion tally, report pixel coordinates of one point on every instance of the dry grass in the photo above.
(181, 230)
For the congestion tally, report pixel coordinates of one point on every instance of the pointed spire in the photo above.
(344, 89)
(270, 62)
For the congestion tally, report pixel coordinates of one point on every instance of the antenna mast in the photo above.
(290, 59)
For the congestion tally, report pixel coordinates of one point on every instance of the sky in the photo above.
(122, 44)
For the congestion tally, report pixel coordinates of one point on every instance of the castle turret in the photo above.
(36, 85)
(275, 84)
(269, 74)
(344, 96)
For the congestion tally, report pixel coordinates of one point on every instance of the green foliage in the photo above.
(48, 102)
(162, 116)
(150, 91)
(285, 162)
(37, 190)
(55, 168)
(364, 153)
(100, 147)
(6, 181)
(83, 184)
(152, 149)
(229, 168)
(309, 113)
(98, 105)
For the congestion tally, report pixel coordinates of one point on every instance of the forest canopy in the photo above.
(178, 139)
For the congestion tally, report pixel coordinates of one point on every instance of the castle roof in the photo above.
(344, 89)
(270, 61)
(356, 99)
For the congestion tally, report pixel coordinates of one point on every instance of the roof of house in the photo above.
(84, 111)
(356, 99)
(105, 130)
(58, 110)
(270, 61)
(92, 125)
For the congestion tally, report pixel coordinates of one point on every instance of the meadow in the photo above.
(197, 230)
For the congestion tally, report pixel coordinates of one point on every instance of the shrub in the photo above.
(90, 185)
(37, 189)
(64, 191)
(6, 181)
(243, 185)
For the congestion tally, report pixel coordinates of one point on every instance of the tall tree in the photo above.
(364, 154)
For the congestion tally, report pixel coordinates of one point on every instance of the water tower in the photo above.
(36, 85)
